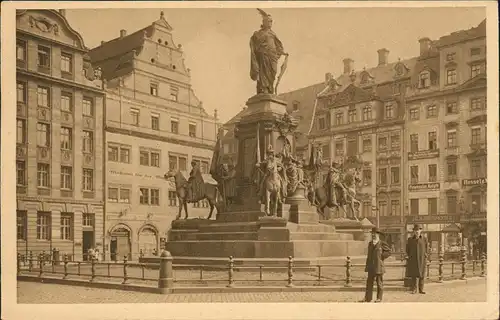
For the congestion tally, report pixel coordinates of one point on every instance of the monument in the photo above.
(271, 216)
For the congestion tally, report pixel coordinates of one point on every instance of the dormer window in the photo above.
(389, 111)
(399, 69)
(476, 69)
(295, 106)
(475, 51)
(451, 76)
(364, 78)
(367, 113)
(322, 123)
(424, 80)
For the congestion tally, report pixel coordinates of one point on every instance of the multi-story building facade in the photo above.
(59, 138)
(446, 135)
(154, 123)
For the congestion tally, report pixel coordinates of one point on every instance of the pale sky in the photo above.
(216, 41)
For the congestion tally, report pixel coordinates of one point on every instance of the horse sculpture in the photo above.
(318, 196)
(181, 184)
(272, 191)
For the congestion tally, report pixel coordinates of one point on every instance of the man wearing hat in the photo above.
(378, 251)
(416, 249)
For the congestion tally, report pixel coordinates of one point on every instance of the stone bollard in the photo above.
(30, 262)
(440, 270)
(463, 263)
(65, 266)
(231, 272)
(165, 278)
(18, 264)
(290, 272)
(483, 264)
(125, 276)
(348, 272)
(92, 269)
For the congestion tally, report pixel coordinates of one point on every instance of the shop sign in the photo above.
(441, 218)
(474, 182)
(424, 154)
(424, 186)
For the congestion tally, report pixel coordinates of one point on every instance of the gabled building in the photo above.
(60, 133)
(154, 122)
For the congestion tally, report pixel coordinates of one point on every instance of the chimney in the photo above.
(328, 77)
(348, 65)
(425, 44)
(102, 42)
(216, 115)
(62, 12)
(123, 33)
(383, 55)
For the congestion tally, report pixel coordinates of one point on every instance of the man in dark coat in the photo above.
(378, 251)
(416, 249)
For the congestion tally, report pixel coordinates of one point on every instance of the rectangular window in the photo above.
(475, 51)
(451, 204)
(172, 162)
(174, 126)
(43, 226)
(113, 194)
(144, 158)
(367, 113)
(339, 149)
(432, 140)
(88, 141)
(389, 111)
(21, 131)
(451, 76)
(155, 122)
(382, 207)
(66, 226)
(414, 142)
(352, 116)
(414, 207)
(367, 209)
(174, 93)
(395, 175)
(475, 168)
(155, 159)
(20, 173)
(153, 89)
(88, 107)
(124, 195)
(321, 123)
(43, 56)
(43, 96)
(43, 134)
(367, 144)
(172, 198)
(43, 175)
(113, 153)
(124, 155)
(182, 163)
(475, 136)
(134, 115)
(339, 118)
(414, 114)
(66, 138)
(155, 197)
(395, 208)
(432, 206)
(88, 180)
(192, 130)
(144, 196)
(66, 62)
(414, 174)
(21, 225)
(395, 141)
(424, 80)
(66, 105)
(451, 170)
(21, 50)
(382, 143)
(432, 173)
(21, 92)
(382, 176)
(451, 107)
(452, 138)
(475, 69)
(66, 178)
(476, 104)
(367, 177)
(88, 219)
(432, 111)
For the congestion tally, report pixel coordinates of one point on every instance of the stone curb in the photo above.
(236, 289)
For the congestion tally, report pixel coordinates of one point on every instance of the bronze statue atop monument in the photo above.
(265, 50)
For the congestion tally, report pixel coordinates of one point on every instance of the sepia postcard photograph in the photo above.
(249, 160)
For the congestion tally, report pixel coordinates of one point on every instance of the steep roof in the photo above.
(463, 35)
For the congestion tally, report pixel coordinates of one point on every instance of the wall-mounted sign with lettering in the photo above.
(441, 218)
(424, 154)
(474, 182)
(424, 186)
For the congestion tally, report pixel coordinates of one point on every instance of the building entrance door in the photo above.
(123, 249)
(87, 243)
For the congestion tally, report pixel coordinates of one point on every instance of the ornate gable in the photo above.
(163, 23)
(400, 69)
(366, 77)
